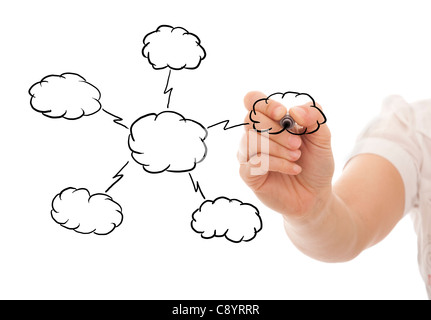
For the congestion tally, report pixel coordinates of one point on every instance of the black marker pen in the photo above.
(287, 122)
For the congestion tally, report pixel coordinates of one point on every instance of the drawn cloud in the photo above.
(77, 210)
(167, 142)
(289, 99)
(230, 218)
(173, 48)
(67, 96)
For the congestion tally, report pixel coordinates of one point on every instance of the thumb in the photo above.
(313, 122)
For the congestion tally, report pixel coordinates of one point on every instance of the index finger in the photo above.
(258, 102)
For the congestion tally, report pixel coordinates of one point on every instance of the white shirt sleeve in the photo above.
(392, 136)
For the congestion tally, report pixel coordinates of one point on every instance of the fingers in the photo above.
(262, 164)
(256, 101)
(285, 139)
(251, 97)
(253, 143)
(308, 116)
(258, 155)
(313, 120)
(266, 114)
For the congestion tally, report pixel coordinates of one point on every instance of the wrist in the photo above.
(315, 211)
(327, 234)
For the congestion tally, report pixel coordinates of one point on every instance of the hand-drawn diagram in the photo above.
(165, 151)
(77, 210)
(178, 145)
(67, 96)
(172, 48)
(159, 142)
(289, 99)
(229, 218)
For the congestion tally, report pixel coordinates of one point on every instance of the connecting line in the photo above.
(226, 122)
(168, 90)
(119, 176)
(117, 119)
(196, 186)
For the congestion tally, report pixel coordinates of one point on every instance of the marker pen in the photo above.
(287, 122)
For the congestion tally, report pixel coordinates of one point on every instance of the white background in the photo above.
(349, 55)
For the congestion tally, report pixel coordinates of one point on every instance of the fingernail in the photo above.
(254, 160)
(299, 112)
(279, 112)
(294, 141)
(296, 169)
(294, 155)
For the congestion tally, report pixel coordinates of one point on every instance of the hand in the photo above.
(294, 175)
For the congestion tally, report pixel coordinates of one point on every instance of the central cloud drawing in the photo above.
(167, 142)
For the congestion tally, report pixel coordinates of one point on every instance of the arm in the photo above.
(327, 222)
(365, 204)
